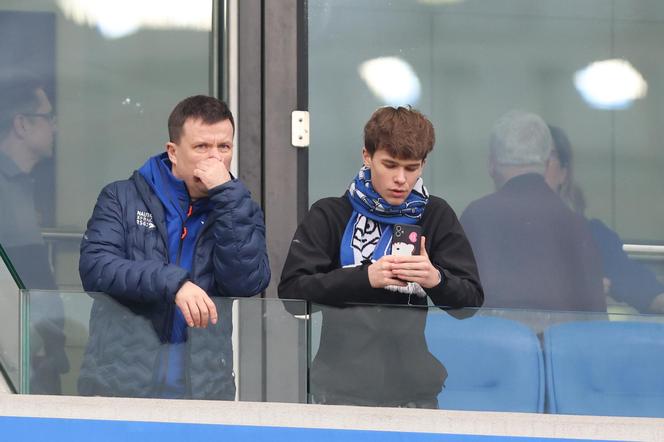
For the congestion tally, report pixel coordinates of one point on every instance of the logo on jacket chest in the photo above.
(144, 219)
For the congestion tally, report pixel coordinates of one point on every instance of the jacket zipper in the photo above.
(183, 235)
(187, 372)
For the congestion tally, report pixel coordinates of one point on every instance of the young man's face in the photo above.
(198, 142)
(391, 177)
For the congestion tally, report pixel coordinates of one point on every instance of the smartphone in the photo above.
(406, 239)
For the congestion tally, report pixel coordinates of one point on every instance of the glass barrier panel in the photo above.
(488, 360)
(93, 345)
(466, 65)
(9, 321)
(109, 82)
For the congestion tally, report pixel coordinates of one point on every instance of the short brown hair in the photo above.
(403, 132)
(210, 110)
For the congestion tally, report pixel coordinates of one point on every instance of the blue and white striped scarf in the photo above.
(368, 234)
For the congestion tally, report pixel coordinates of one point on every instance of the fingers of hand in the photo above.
(412, 265)
(423, 249)
(212, 174)
(411, 273)
(184, 308)
(195, 312)
(204, 312)
(387, 259)
(381, 275)
(394, 281)
(206, 309)
(411, 259)
(211, 309)
(387, 277)
(196, 306)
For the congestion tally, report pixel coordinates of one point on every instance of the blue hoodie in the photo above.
(184, 221)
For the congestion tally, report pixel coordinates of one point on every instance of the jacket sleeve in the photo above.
(241, 266)
(452, 254)
(104, 266)
(631, 281)
(311, 271)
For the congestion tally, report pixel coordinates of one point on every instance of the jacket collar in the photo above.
(527, 180)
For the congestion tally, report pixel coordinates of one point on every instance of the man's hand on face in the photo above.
(195, 305)
(212, 172)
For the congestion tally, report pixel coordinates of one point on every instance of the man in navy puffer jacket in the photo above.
(166, 244)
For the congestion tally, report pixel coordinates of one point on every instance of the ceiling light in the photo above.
(120, 18)
(610, 84)
(392, 80)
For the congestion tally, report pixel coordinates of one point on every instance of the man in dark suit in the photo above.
(532, 251)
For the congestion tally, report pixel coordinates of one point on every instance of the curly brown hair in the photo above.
(403, 132)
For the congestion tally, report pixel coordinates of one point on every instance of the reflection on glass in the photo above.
(610, 84)
(27, 133)
(532, 361)
(493, 363)
(605, 368)
(103, 133)
(9, 321)
(126, 356)
(532, 251)
(477, 59)
(122, 18)
(624, 279)
(375, 356)
(115, 351)
(392, 80)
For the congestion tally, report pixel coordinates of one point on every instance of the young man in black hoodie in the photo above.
(341, 256)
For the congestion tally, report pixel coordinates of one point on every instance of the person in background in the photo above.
(533, 252)
(27, 132)
(625, 280)
(341, 256)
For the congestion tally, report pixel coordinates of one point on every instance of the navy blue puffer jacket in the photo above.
(124, 254)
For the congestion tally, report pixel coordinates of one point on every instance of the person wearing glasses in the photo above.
(27, 131)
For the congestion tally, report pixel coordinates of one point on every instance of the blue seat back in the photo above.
(605, 368)
(493, 364)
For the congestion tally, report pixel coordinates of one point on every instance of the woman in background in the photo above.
(625, 279)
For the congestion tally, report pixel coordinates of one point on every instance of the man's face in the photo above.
(40, 127)
(392, 178)
(200, 141)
